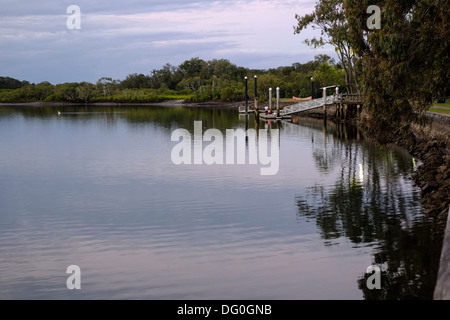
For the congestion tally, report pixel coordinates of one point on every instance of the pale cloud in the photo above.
(119, 38)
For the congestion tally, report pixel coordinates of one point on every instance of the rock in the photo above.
(429, 177)
(442, 169)
(439, 178)
(427, 211)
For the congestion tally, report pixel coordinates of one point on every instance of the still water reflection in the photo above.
(96, 187)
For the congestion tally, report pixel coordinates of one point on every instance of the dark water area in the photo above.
(97, 187)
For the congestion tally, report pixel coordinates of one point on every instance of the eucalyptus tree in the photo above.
(405, 62)
(329, 17)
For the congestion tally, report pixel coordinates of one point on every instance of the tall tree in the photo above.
(193, 68)
(329, 17)
(11, 83)
(405, 62)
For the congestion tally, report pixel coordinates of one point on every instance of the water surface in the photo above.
(96, 187)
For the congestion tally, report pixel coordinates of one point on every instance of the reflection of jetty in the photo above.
(242, 110)
(263, 114)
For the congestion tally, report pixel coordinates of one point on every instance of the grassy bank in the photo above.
(443, 108)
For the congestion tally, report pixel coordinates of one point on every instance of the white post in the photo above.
(278, 101)
(270, 100)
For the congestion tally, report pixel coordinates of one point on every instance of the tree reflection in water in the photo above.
(374, 203)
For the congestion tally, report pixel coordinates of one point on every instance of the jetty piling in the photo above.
(256, 99)
(278, 102)
(270, 100)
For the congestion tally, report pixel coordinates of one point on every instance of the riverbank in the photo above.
(74, 104)
(430, 142)
(167, 103)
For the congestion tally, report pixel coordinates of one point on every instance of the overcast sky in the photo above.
(122, 37)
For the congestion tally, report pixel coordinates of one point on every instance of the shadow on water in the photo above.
(371, 205)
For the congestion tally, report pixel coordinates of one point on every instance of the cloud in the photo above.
(121, 37)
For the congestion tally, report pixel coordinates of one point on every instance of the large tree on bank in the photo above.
(329, 17)
(405, 63)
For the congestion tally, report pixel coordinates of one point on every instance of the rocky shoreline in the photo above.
(430, 142)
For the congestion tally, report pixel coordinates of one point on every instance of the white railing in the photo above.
(307, 105)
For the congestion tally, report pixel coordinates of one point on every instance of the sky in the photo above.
(117, 38)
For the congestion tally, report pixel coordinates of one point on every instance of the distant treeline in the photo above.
(193, 80)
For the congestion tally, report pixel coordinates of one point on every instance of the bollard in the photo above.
(278, 101)
(270, 100)
(246, 105)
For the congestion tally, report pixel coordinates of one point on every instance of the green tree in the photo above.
(223, 66)
(329, 17)
(11, 83)
(66, 91)
(106, 87)
(167, 78)
(85, 91)
(327, 75)
(229, 89)
(136, 81)
(192, 84)
(405, 63)
(267, 81)
(192, 68)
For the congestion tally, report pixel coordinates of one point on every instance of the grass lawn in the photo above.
(440, 110)
(446, 104)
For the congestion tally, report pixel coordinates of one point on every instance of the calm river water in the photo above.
(97, 188)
